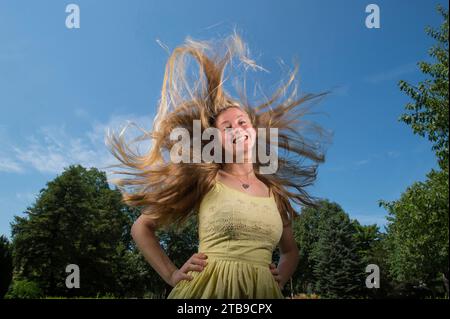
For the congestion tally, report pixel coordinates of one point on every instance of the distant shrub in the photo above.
(24, 289)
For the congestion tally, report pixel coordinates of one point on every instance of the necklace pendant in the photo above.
(245, 186)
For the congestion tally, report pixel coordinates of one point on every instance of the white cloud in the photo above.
(393, 154)
(52, 148)
(9, 165)
(392, 74)
(362, 162)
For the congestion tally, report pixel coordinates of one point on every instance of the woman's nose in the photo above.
(237, 132)
(237, 129)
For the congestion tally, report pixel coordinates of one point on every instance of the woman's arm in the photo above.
(289, 256)
(143, 233)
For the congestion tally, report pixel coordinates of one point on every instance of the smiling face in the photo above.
(236, 130)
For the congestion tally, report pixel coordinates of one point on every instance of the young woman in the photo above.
(243, 213)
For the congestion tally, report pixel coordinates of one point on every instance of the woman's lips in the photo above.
(238, 139)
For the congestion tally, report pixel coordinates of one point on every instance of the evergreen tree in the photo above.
(337, 267)
(330, 263)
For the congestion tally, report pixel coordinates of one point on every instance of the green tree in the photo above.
(306, 232)
(329, 261)
(5, 265)
(369, 242)
(417, 236)
(428, 114)
(337, 267)
(77, 219)
(366, 237)
(136, 278)
(417, 233)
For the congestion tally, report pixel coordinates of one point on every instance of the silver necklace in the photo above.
(243, 184)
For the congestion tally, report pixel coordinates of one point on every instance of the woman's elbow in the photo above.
(294, 254)
(135, 229)
(139, 226)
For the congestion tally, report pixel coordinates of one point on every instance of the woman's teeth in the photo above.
(236, 140)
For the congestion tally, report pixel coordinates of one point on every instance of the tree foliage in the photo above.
(5, 265)
(77, 219)
(331, 256)
(417, 237)
(428, 113)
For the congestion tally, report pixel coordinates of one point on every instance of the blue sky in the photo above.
(60, 88)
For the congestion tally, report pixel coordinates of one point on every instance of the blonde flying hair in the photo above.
(171, 192)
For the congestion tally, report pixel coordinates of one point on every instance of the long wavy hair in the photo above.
(171, 192)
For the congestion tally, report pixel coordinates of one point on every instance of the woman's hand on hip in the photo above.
(197, 262)
(276, 274)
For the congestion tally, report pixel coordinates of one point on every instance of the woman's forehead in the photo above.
(231, 113)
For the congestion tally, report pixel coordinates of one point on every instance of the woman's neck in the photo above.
(242, 169)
